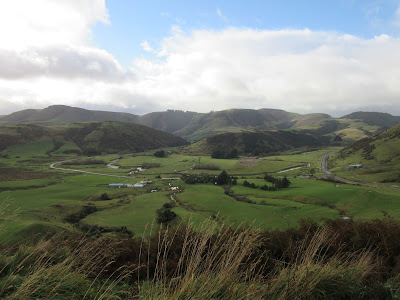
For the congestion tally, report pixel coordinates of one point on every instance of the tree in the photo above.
(218, 154)
(285, 182)
(165, 215)
(269, 178)
(312, 172)
(105, 196)
(223, 178)
(232, 154)
(160, 153)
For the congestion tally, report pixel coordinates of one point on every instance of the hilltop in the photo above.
(62, 114)
(374, 118)
(89, 138)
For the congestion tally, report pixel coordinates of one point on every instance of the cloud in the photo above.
(146, 46)
(296, 70)
(46, 57)
(62, 62)
(25, 23)
(396, 21)
(221, 15)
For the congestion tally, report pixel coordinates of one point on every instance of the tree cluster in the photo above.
(165, 215)
(227, 154)
(222, 179)
(160, 153)
(263, 187)
(279, 183)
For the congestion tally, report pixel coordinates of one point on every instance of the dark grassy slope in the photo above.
(374, 118)
(256, 143)
(114, 137)
(169, 121)
(92, 137)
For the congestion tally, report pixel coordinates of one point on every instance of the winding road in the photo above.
(52, 166)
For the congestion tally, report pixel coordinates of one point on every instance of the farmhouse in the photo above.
(358, 166)
(117, 185)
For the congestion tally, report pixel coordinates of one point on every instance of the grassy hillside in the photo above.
(374, 118)
(61, 114)
(256, 142)
(169, 121)
(90, 138)
(379, 155)
(195, 126)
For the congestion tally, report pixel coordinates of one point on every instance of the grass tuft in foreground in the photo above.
(338, 260)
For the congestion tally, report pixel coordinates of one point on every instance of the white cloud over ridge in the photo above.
(296, 70)
(46, 57)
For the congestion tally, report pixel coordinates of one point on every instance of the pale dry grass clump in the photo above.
(213, 264)
(211, 261)
(46, 270)
(219, 266)
(315, 275)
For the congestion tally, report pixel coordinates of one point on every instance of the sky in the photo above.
(304, 56)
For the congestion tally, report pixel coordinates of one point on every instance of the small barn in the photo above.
(117, 185)
(357, 166)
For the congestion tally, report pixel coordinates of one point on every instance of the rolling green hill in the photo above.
(61, 114)
(379, 155)
(90, 138)
(169, 121)
(374, 118)
(256, 142)
(234, 120)
(195, 126)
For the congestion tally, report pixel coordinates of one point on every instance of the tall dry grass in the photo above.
(211, 261)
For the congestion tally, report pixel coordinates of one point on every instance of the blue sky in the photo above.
(330, 56)
(133, 22)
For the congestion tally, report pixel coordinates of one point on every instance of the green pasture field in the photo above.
(42, 204)
(356, 201)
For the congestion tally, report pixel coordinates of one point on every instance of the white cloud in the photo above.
(221, 15)
(57, 61)
(40, 23)
(396, 21)
(46, 57)
(296, 70)
(146, 46)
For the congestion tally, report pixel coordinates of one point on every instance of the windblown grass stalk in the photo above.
(313, 275)
(45, 271)
(211, 261)
(210, 265)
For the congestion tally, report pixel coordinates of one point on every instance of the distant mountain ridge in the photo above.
(195, 126)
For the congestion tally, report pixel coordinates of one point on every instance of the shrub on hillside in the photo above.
(206, 167)
(84, 162)
(160, 153)
(147, 165)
